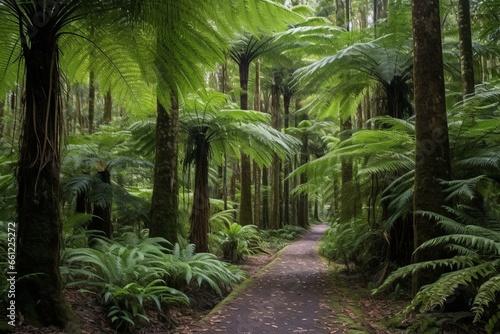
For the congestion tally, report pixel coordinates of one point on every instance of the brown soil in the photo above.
(293, 291)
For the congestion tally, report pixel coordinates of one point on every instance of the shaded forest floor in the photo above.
(293, 291)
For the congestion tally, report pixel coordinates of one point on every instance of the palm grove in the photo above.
(137, 137)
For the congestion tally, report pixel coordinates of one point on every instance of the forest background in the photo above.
(173, 131)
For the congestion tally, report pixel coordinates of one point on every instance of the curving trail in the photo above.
(289, 296)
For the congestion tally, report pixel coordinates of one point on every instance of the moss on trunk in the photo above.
(39, 294)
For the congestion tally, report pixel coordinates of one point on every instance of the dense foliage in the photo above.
(273, 114)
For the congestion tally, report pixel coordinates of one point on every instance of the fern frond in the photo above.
(486, 294)
(404, 272)
(435, 295)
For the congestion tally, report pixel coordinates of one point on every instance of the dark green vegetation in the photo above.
(144, 145)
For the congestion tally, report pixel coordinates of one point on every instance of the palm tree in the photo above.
(212, 130)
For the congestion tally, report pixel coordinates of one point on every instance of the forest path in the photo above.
(290, 295)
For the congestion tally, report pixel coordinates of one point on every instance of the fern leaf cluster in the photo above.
(127, 272)
(475, 270)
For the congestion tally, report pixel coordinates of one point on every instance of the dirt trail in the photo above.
(289, 296)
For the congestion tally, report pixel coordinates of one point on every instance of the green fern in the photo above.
(124, 273)
(237, 241)
(476, 269)
(186, 267)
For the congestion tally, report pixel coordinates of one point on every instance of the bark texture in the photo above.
(200, 214)
(431, 127)
(39, 293)
(164, 205)
(466, 53)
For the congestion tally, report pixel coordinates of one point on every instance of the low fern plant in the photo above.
(237, 241)
(350, 242)
(125, 273)
(475, 267)
(185, 268)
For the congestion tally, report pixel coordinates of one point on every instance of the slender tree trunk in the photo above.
(91, 102)
(2, 113)
(78, 107)
(108, 108)
(340, 13)
(303, 201)
(165, 203)
(276, 166)
(287, 97)
(39, 294)
(245, 212)
(265, 199)
(101, 214)
(256, 168)
(200, 213)
(379, 9)
(347, 188)
(265, 177)
(432, 160)
(466, 53)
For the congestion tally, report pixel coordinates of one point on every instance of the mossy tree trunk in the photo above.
(200, 213)
(39, 294)
(287, 168)
(165, 201)
(91, 102)
(245, 212)
(275, 170)
(347, 190)
(256, 169)
(303, 200)
(432, 159)
(108, 108)
(466, 52)
(101, 212)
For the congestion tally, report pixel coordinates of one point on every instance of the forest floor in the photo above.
(293, 291)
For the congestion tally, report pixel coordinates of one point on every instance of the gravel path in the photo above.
(289, 296)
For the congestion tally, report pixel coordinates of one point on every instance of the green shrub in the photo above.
(475, 268)
(124, 273)
(237, 241)
(348, 242)
(186, 267)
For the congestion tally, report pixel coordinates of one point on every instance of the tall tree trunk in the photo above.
(78, 107)
(339, 13)
(39, 294)
(265, 174)
(275, 221)
(165, 201)
(245, 212)
(2, 113)
(432, 160)
(287, 97)
(200, 213)
(108, 108)
(303, 200)
(91, 102)
(379, 10)
(347, 188)
(465, 42)
(101, 213)
(256, 168)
